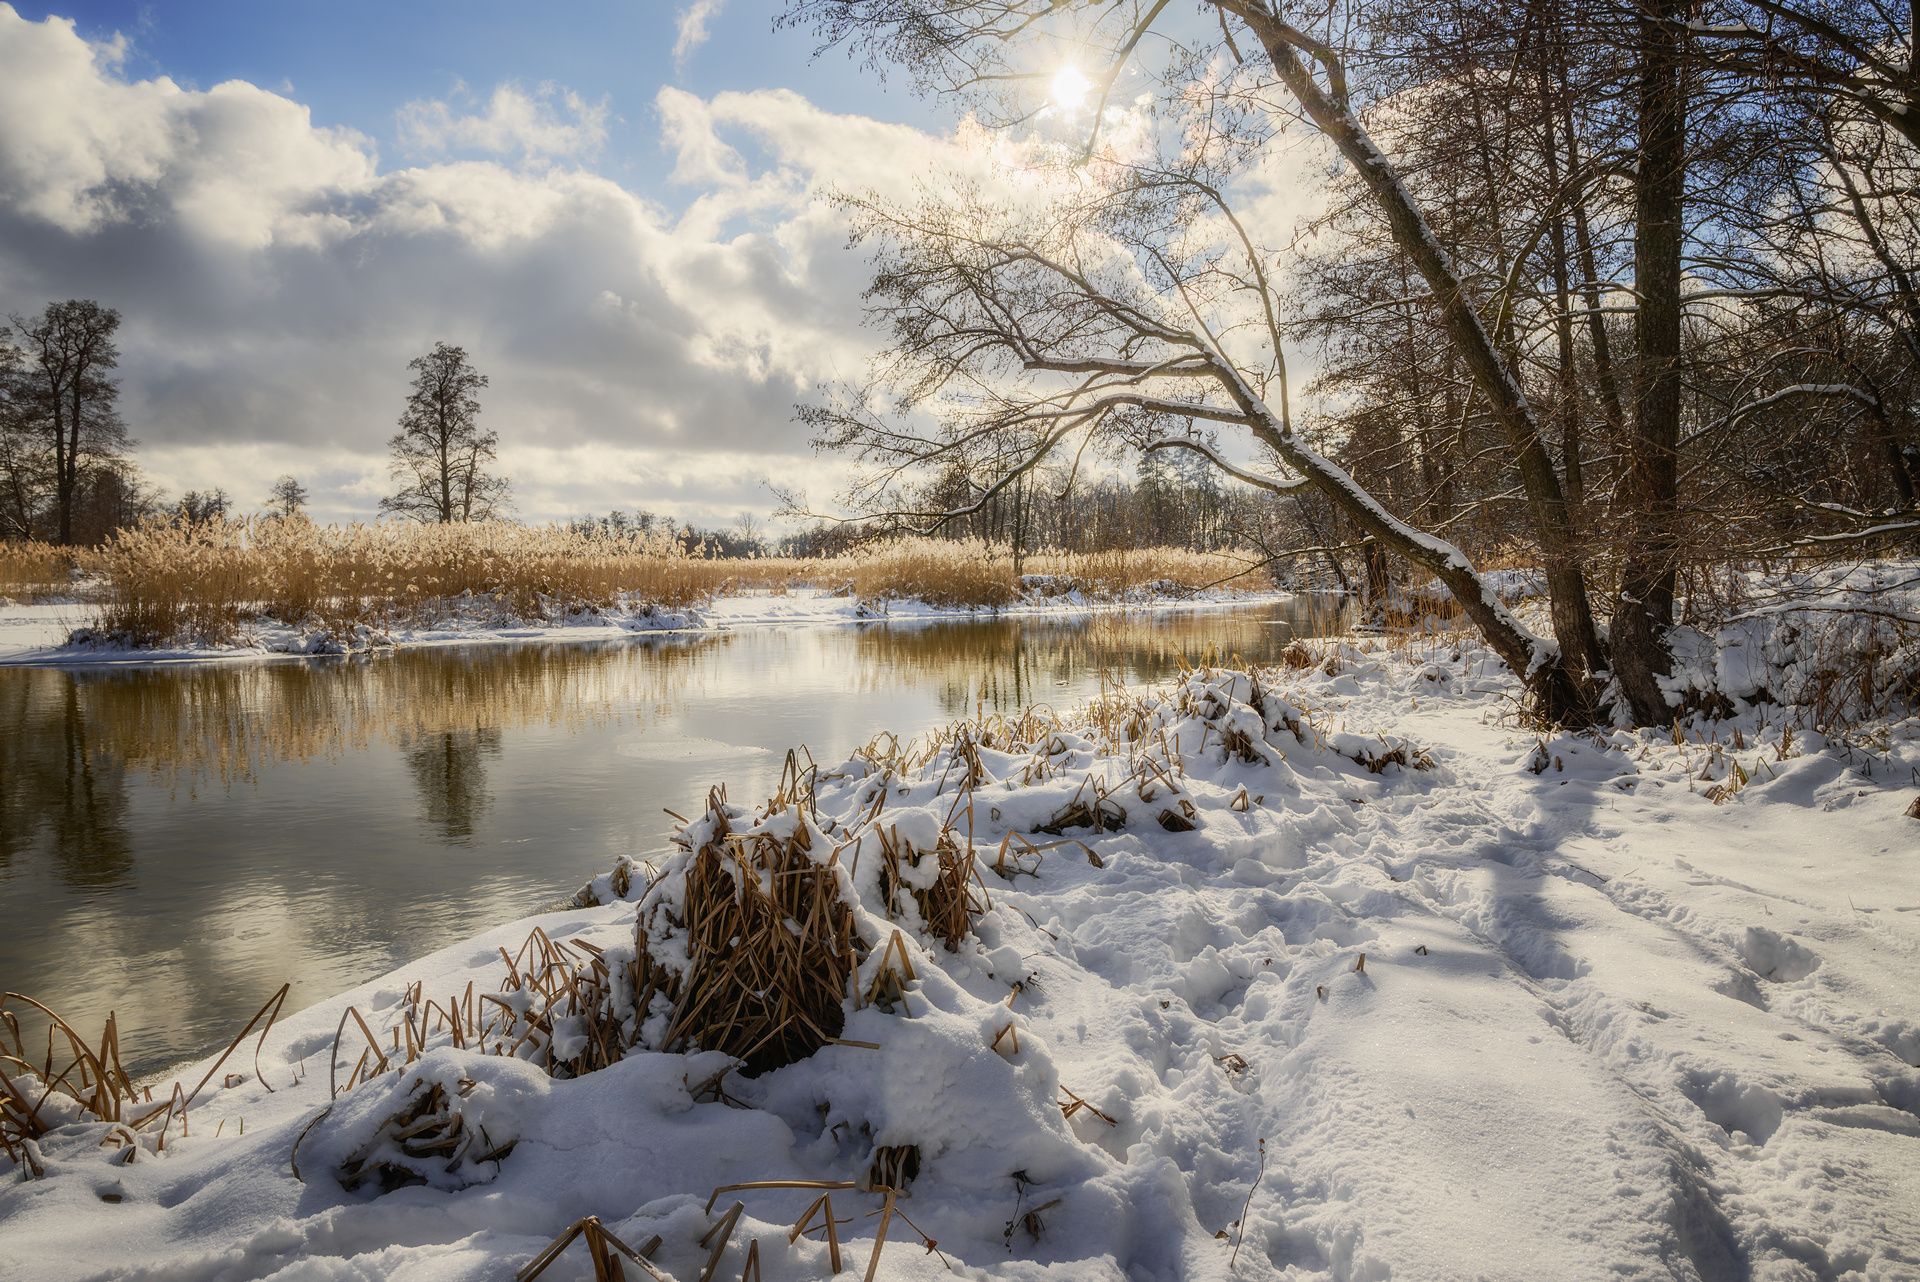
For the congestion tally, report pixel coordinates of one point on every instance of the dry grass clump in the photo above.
(188, 583)
(1091, 806)
(178, 581)
(938, 571)
(769, 944)
(974, 573)
(749, 942)
(1854, 670)
(557, 1008)
(30, 570)
(425, 1141)
(70, 1082)
(1126, 571)
(946, 903)
(75, 1080)
(753, 937)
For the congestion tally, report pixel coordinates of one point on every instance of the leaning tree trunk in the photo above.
(1644, 611)
(1580, 653)
(1555, 692)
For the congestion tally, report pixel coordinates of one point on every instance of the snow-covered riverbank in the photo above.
(38, 634)
(1369, 984)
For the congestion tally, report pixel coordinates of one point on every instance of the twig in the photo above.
(1241, 1236)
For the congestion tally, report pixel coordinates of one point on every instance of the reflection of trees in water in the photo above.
(222, 722)
(450, 770)
(69, 738)
(56, 786)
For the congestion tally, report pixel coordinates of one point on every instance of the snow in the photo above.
(37, 634)
(1494, 1004)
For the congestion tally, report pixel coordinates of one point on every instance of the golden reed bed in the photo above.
(169, 582)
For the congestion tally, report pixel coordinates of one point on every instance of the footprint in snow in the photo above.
(1780, 958)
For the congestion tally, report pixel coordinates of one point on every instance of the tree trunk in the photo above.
(62, 487)
(1568, 378)
(1379, 582)
(1644, 610)
(1572, 612)
(1556, 693)
(1603, 373)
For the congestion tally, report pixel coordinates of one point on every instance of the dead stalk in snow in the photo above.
(1240, 1236)
(603, 1248)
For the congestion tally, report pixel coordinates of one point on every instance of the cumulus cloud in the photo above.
(83, 148)
(275, 279)
(548, 123)
(690, 28)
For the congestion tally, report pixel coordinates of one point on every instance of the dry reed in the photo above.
(180, 582)
(769, 941)
(77, 1080)
(427, 1136)
(31, 570)
(555, 1008)
(604, 1251)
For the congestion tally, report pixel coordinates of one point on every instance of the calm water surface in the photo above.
(177, 841)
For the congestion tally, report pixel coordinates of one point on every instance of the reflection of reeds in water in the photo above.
(221, 722)
(68, 740)
(1008, 664)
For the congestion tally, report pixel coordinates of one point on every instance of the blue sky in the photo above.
(358, 62)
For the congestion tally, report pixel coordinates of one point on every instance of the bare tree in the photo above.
(748, 527)
(23, 450)
(68, 396)
(981, 307)
(441, 458)
(1578, 228)
(287, 498)
(196, 507)
(1026, 334)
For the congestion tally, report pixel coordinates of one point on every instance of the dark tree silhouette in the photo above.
(198, 506)
(440, 456)
(287, 499)
(65, 396)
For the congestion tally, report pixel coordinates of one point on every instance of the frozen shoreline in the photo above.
(1562, 1006)
(35, 635)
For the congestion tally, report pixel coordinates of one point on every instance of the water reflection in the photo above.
(177, 840)
(450, 769)
(57, 789)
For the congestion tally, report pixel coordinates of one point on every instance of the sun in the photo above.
(1069, 89)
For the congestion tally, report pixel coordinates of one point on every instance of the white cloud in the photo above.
(690, 28)
(275, 280)
(550, 123)
(82, 148)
